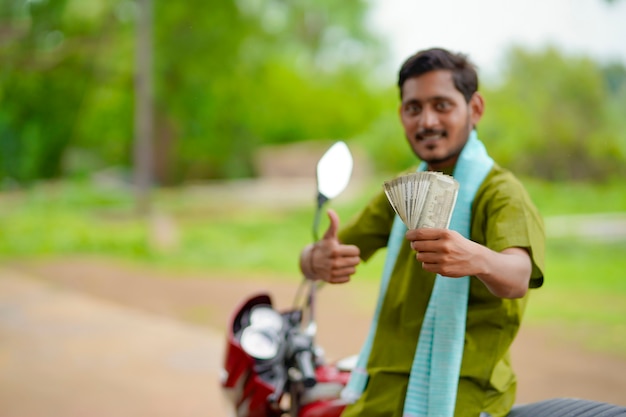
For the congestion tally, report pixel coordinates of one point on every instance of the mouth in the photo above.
(430, 136)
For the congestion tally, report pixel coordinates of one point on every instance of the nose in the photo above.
(428, 118)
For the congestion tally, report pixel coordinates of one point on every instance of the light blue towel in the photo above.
(436, 365)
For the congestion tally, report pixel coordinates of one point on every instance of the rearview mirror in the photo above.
(334, 170)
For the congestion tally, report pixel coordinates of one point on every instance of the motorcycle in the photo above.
(273, 368)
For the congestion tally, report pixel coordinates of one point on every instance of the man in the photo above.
(503, 256)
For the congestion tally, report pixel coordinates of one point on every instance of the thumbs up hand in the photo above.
(328, 259)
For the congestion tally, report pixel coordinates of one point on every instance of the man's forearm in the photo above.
(506, 274)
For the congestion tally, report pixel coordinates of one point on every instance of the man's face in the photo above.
(436, 118)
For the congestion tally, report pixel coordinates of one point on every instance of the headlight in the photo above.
(260, 343)
(266, 318)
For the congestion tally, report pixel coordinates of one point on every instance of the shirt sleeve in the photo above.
(504, 217)
(369, 230)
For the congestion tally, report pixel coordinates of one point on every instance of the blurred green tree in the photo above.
(257, 71)
(555, 117)
(44, 81)
(228, 77)
(232, 76)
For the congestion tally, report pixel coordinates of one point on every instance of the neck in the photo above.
(444, 164)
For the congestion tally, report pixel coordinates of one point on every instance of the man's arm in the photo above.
(329, 260)
(506, 274)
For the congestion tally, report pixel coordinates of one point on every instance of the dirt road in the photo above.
(63, 353)
(87, 337)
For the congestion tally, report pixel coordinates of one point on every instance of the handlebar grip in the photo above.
(304, 362)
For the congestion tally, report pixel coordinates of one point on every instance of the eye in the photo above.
(412, 109)
(443, 106)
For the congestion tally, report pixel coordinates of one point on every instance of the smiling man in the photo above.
(499, 253)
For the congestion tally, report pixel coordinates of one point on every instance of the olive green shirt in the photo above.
(503, 216)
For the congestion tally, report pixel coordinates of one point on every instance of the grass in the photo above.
(583, 299)
(554, 199)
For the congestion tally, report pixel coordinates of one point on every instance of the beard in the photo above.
(454, 153)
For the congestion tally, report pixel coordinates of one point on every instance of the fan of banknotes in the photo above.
(423, 199)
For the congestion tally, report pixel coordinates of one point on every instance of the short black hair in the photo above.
(463, 70)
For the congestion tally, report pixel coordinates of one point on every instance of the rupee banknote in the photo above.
(423, 199)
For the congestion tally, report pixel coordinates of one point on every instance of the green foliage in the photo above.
(554, 117)
(230, 77)
(53, 69)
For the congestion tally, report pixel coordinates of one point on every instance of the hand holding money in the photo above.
(446, 252)
(423, 199)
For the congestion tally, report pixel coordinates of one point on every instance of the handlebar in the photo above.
(304, 363)
(301, 356)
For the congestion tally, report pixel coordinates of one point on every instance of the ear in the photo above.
(477, 108)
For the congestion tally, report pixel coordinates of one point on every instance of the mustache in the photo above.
(428, 132)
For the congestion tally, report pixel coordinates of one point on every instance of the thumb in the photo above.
(331, 232)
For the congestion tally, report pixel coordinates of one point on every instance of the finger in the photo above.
(346, 261)
(339, 280)
(428, 257)
(347, 251)
(423, 246)
(430, 267)
(338, 272)
(425, 233)
(331, 232)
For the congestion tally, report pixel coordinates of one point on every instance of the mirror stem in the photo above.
(321, 200)
(311, 329)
